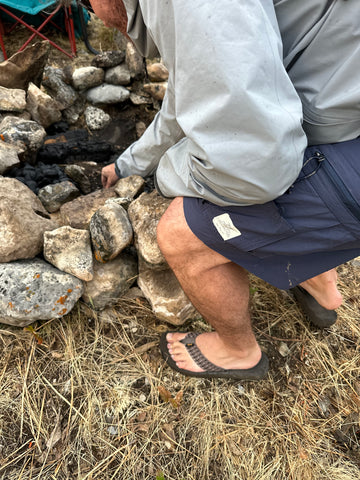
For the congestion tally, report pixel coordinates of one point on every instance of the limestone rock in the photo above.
(21, 133)
(25, 66)
(111, 281)
(156, 90)
(8, 157)
(33, 290)
(72, 114)
(134, 61)
(54, 81)
(96, 118)
(111, 231)
(157, 72)
(12, 100)
(108, 59)
(165, 295)
(69, 250)
(23, 221)
(42, 107)
(123, 201)
(119, 75)
(130, 186)
(107, 94)
(78, 212)
(137, 99)
(55, 195)
(145, 213)
(140, 129)
(78, 174)
(87, 77)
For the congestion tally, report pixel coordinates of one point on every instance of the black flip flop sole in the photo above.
(258, 372)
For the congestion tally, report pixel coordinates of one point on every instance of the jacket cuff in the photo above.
(117, 171)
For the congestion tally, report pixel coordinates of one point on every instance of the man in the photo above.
(227, 142)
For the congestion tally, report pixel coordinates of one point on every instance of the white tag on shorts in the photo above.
(225, 227)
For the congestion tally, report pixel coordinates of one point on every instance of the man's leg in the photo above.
(218, 289)
(324, 289)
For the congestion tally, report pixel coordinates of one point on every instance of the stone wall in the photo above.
(66, 243)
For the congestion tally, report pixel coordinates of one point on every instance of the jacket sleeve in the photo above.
(232, 132)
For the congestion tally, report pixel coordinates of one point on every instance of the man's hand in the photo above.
(108, 176)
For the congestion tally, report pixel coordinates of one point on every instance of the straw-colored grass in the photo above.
(89, 397)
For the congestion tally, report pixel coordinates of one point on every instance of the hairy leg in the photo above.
(324, 289)
(217, 288)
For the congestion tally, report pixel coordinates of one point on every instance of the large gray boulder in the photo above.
(33, 290)
(23, 221)
(111, 281)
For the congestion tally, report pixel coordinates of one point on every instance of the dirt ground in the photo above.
(89, 397)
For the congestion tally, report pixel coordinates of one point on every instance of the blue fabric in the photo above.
(312, 228)
(32, 7)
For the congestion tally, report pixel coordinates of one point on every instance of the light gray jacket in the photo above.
(229, 129)
(321, 41)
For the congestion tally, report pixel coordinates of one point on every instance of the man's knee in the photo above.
(169, 229)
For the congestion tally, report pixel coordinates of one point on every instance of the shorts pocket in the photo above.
(249, 228)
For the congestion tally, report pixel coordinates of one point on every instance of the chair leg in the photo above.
(69, 25)
(38, 32)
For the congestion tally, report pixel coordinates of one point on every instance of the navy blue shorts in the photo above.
(313, 227)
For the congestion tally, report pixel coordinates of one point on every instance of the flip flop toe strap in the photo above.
(196, 355)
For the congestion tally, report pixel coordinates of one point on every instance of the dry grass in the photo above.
(88, 397)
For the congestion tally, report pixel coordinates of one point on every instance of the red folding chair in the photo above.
(45, 8)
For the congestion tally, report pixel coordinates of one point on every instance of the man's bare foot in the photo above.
(214, 349)
(324, 289)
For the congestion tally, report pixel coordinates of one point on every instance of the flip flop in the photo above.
(318, 315)
(257, 372)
